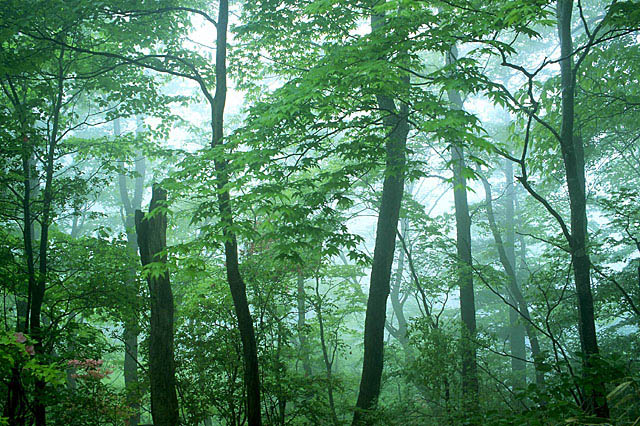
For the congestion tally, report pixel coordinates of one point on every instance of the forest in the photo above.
(319, 212)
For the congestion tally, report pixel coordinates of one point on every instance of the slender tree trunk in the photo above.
(302, 337)
(517, 330)
(536, 353)
(470, 386)
(573, 157)
(328, 362)
(280, 368)
(517, 299)
(37, 298)
(396, 302)
(28, 236)
(15, 406)
(517, 346)
(131, 328)
(234, 278)
(152, 240)
(397, 125)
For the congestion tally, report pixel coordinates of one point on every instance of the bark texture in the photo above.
(152, 239)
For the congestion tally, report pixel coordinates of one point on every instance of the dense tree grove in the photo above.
(365, 212)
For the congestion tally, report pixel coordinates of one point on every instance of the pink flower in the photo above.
(95, 374)
(20, 337)
(30, 349)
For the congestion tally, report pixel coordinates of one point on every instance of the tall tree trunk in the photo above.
(302, 336)
(131, 328)
(15, 406)
(28, 236)
(396, 123)
(152, 240)
(234, 278)
(37, 298)
(465, 276)
(573, 157)
(507, 259)
(517, 331)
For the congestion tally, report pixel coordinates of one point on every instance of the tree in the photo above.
(465, 275)
(573, 157)
(518, 305)
(130, 335)
(236, 283)
(397, 126)
(151, 229)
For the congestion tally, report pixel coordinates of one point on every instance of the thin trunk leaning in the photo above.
(397, 126)
(508, 263)
(234, 278)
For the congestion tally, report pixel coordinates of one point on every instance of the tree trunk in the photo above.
(15, 408)
(37, 298)
(517, 331)
(131, 329)
(573, 157)
(152, 240)
(397, 125)
(234, 278)
(507, 258)
(465, 276)
(302, 337)
(523, 276)
(396, 302)
(328, 362)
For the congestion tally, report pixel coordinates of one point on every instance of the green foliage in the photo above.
(305, 162)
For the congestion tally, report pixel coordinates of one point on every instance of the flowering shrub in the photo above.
(14, 347)
(91, 369)
(21, 338)
(91, 400)
(17, 351)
